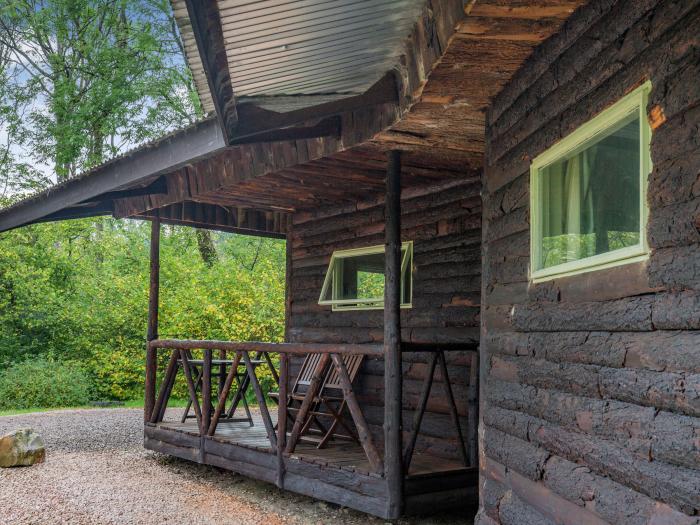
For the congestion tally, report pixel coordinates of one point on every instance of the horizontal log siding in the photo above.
(591, 384)
(444, 222)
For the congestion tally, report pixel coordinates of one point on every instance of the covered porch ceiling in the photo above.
(260, 158)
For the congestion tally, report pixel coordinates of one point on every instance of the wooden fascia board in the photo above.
(167, 155)
(208, 33)
(331, 126)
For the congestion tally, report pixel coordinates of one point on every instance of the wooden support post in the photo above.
(152, 352)
(393, 402)
(356, 412)
(282, 418)
(206, 392)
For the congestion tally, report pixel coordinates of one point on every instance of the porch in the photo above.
(347, 472)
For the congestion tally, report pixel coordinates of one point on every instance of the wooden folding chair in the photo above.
(298, 391)
(331, 403)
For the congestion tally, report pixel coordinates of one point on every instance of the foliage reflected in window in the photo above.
(355, 278)
(588, 193)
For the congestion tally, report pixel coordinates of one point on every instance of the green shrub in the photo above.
(43, 383)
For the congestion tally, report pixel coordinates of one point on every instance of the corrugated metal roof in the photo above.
(192, 55)
(305, 47)
(313, 46)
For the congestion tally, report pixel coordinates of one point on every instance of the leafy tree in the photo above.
(81, 81)
(103, 74)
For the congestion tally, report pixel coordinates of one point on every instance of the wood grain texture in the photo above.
(590, 395)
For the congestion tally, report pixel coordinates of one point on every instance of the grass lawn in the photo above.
(137, 403)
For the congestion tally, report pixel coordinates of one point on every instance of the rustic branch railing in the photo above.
(208, 421)
(209, 413)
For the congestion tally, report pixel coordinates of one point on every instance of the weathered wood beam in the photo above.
(282, 418)
(255, 120)
(393, 399)
(223, 395)
(262, 404)
(152, 334)
(206, 392)
(165, 388)
(157, 187)
(363, 432)
(97, 209)
(420, 410)
(222, 218)
(104, 204)
(191, 386)
(168, 154)
(208, 33)
(328, 127)
(449, 395)
(281, 348)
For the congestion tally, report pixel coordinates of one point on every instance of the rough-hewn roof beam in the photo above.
(164, 156)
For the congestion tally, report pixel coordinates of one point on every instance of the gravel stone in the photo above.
(97, 472)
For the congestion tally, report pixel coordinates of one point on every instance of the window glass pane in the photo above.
(590, 202)
(362, 277)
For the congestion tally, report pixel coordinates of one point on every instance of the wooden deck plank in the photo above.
(339, 474)
(344, 455)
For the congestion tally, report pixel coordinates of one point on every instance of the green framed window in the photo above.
(355, 279)
(588, 199)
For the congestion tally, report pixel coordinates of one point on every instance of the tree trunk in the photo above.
(207, 250)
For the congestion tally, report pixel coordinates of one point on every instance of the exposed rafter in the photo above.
(230, 219)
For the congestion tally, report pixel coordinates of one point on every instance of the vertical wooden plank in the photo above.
(288, 280)
(393, 399)
(206, 392)
(282, 418)
(356, 413)
(152, 334)
(473, 423)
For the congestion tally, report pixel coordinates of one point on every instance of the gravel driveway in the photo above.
(97, 472)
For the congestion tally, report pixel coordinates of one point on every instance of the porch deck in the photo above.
(339, 473)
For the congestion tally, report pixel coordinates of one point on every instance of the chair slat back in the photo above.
(306, 372)
(352, 363)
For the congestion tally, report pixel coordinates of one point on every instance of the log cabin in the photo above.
(495, 203)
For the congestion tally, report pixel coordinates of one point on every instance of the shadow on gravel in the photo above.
(304, 509)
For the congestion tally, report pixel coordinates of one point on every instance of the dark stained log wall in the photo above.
(444, 222)
(591, 383)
